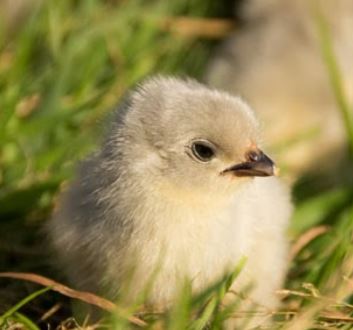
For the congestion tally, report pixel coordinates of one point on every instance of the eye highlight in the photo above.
(203, 150)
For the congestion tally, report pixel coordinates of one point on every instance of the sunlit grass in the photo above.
(335, 75)
(67, 67)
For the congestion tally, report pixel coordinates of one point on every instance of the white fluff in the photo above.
(142, 207)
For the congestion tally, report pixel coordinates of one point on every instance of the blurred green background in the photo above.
(64, 65)
(68, 65)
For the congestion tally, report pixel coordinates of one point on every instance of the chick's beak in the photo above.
(257, 164)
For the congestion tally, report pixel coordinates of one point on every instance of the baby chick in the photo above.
(274, 61)
(178, 190)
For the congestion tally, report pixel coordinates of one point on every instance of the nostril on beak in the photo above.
(257, 164)
(254, 155)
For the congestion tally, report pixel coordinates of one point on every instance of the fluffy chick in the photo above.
(275, 62)
(177, 191)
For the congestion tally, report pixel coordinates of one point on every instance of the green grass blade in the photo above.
(28, 323)
(335, 75)
(21, 303)
(180, 315)
(206, 315)
(213, 304)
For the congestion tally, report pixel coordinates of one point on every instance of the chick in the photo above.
(178, 190)
(274, 61)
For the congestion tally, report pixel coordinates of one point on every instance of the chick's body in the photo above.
(147, 206)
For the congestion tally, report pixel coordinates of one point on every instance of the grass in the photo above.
(335, 76)
(11, 315)
(60, 73)
(66, 67)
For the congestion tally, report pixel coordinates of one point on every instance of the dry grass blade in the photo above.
(306, 238)
(199, 27)
(50, 312)
(87, 297)
(305, 319)
(335, 316)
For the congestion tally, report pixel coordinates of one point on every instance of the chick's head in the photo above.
(193, 139)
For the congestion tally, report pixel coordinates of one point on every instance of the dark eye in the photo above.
(202, 150)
